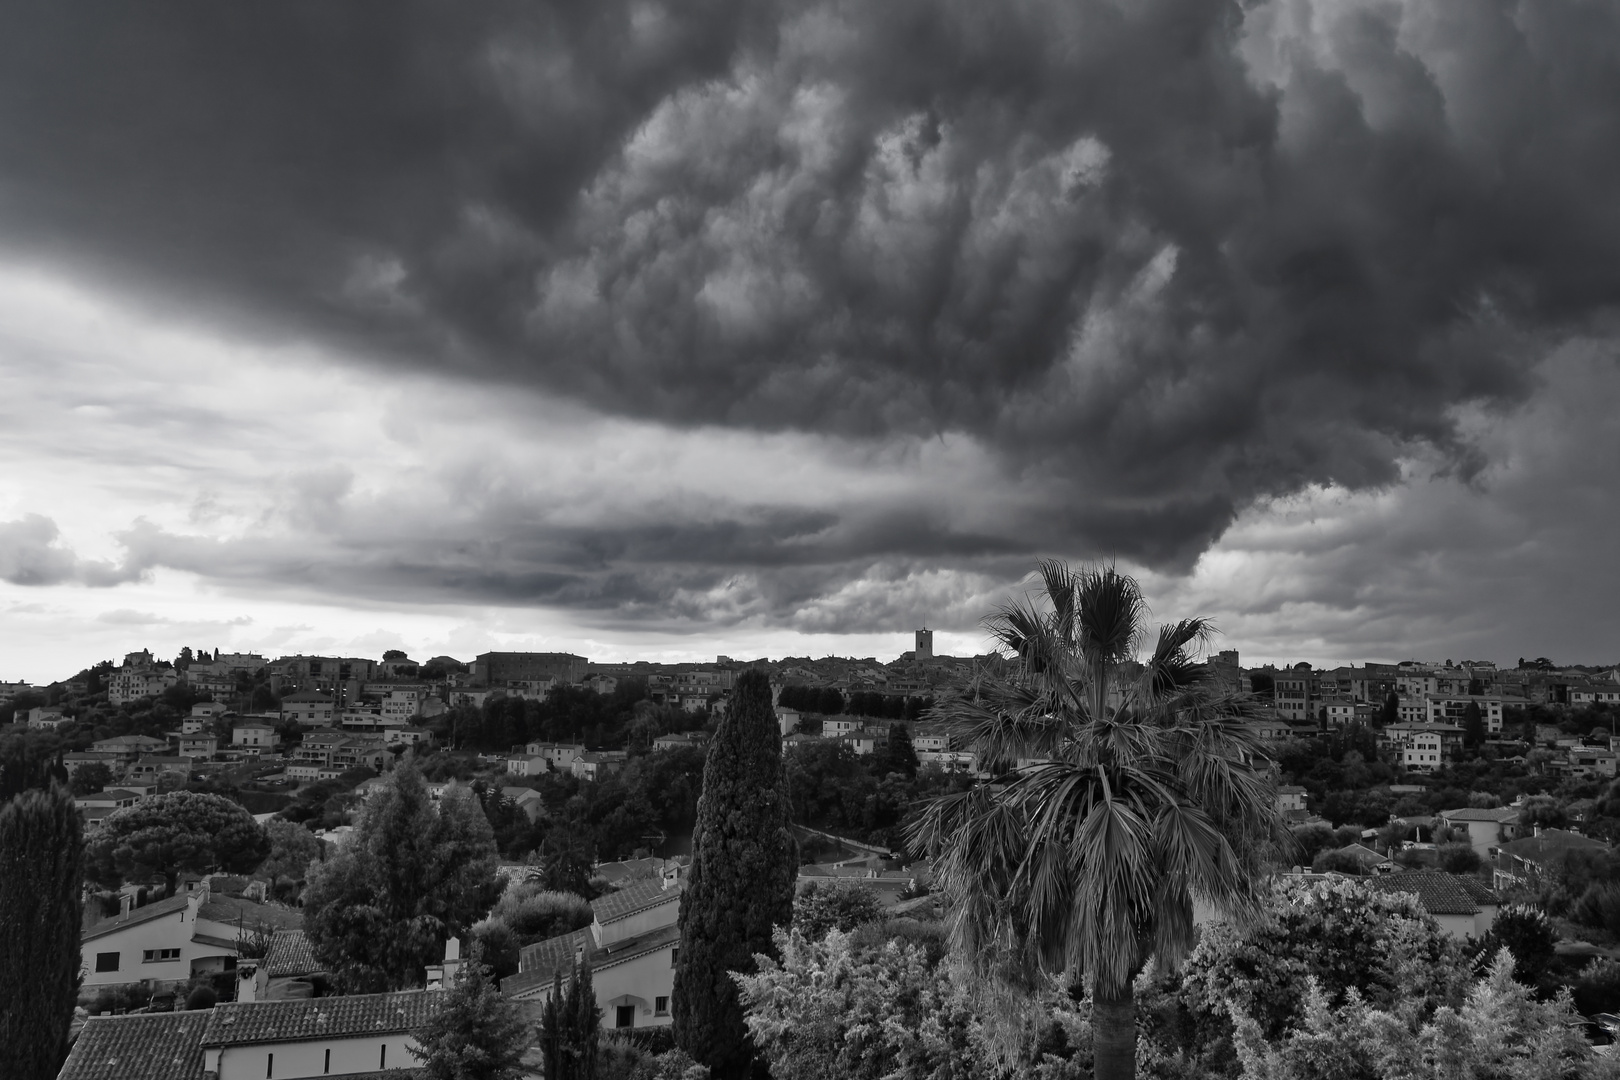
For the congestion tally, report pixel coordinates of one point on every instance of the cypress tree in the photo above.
(569, 1026)
(41, 868)
(740, 886)
(551, 1030)
(586, 1018)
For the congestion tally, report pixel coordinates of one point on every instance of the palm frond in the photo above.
(1145, 799)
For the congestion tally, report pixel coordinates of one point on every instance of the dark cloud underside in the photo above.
(1172, 255)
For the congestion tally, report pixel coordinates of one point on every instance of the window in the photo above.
(158, 956)
(674, 955)
(106, 961)
(625, 1016)
(328, 1066)
(661, 1006)
(382, 1057)
(269, 1066)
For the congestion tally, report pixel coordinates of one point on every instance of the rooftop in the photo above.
(542, 960)
(160, 1046)
(327, 1017)
(1440, 893)
(290, 953)
(635, 897)
(1473, 813)
(1550, 842)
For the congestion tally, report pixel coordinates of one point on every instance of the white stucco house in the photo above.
(632, 945)
(1462, 906)
(1484, 829)
(175, 938)
(356, 1035)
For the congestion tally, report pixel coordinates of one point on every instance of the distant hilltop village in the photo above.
(397, 690)
(398, 685)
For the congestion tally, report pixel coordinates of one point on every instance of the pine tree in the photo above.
(740, 886)
(477, 1034)
(414, 874)
(41, 869)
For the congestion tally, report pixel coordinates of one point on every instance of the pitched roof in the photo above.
(1440, 893)
(168, 905)
(230, 909)
(1550, 842)
(544, 958)
(328, 1017)
(290, 953)
(159, 1046)
(637, 896)
(1364, 854)
(540, 960)
(1472, 813)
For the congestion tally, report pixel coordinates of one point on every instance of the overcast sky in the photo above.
(650, 330)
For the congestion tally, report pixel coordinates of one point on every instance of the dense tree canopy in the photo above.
(413, 874)
(181, 831)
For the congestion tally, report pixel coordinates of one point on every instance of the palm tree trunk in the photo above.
(1113, 1030)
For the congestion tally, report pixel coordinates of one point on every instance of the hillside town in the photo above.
(1463, 794)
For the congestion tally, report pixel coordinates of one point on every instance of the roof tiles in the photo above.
(290, 953)
(637, 896)
(326, 1017)
(161, 1046)
(1440, 893)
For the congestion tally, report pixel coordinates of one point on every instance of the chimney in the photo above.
(452, 950)
(125, 903)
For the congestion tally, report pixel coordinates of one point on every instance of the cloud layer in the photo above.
(725, 318)
(1175, 256)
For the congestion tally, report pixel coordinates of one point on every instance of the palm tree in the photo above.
(1138, 793)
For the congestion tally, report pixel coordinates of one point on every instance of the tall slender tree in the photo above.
(569, 1025)
(740, 887)
(41, 869)
(1146, 796)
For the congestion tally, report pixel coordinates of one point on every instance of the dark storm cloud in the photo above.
(737, 563)
(1172, 256)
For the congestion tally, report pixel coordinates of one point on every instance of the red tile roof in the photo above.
(167, 906)
(1440, 893)
(542, 959)
(162, 1046)
(634, 897)
(1471, 813)
(290, 953)
(327, 1017)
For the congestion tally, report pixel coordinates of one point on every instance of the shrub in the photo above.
(535, 914)
(1599, 906)
(1597, 987)
(201, 997)
(500, 946)
(1528, 934)
(834, 905)
(1458, 858)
